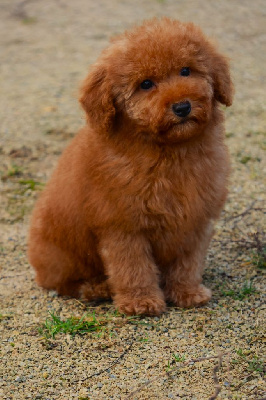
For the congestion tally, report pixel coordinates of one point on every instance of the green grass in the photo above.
(253, 365)
(229, 135)
(256, 365)
(5, 316)
(175, 358)
(179, 358)
(14, 170)
(262, 144)
(30, 183)
(240, 294)
(245, 158)
(259, 259)
(240, 353)
(29, 20)
(144, 339)
(169, 366)
(104, 324)
(72, 325)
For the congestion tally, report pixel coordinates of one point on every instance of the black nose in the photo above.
(182, 109)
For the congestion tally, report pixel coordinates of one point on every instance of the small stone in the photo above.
(52, 293)
(20, 379)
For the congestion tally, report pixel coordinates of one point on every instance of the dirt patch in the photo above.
(212, 352)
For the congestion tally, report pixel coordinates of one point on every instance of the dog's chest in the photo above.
(164, 194)
(162, 201)
(178, 198)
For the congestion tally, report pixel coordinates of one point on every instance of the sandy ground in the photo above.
(212, 352)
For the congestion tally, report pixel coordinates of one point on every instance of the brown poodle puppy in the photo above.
(128, 212)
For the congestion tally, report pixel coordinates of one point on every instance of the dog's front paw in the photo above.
(150, 305)
(192, 297)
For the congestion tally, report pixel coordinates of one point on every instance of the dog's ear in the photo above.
(96, 99)
(222, 83)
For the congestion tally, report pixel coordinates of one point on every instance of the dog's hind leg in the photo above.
(55, 268)
(59, 270)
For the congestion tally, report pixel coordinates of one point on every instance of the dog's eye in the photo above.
(147, 84)
(185, 71)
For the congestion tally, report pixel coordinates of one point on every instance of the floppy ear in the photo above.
(222, 84)
(96, 99)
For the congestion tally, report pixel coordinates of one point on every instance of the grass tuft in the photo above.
(102, 325)
(254, 365)
(259, 258)
(14, 170)
(240, 294)
(30, 183)
(72, 326)
(179, 358)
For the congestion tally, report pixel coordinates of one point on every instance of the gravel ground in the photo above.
(212, 352)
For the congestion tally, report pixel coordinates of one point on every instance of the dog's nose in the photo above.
(182, 109)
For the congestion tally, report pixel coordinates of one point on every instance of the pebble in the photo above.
(20, 379)
(52, 293)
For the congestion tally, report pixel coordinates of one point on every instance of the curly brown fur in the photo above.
(128, 212)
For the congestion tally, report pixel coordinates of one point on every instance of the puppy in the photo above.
(128, 212)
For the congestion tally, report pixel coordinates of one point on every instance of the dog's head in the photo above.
(164, 78)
